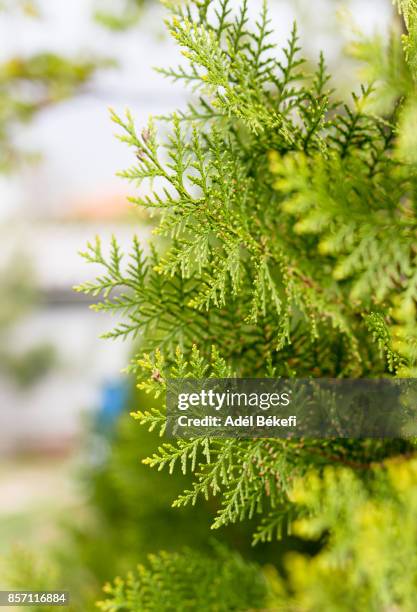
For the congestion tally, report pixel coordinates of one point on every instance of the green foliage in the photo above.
(217, 202)
(285, 221)
(368, 561)
(408, 8)
(21, 568)
(250, 477)
(50, 77)
(126, 15)
(188, 581)
(30, 84)
(124, 505)
(131, 505)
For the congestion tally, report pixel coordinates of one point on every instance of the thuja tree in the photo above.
(286, 221)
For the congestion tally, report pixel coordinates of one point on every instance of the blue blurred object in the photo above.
(114, 396)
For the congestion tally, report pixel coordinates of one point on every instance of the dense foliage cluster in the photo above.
(286, 221)
(190, 581)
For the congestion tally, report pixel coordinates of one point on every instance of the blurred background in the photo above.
(71, 482)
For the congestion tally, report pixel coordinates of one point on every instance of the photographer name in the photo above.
(238, 421)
